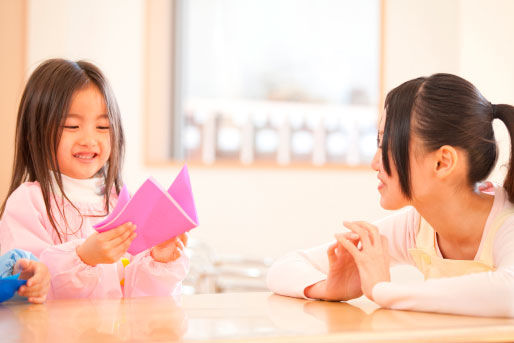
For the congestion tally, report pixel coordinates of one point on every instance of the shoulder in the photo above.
(27, 193)
(406, 219)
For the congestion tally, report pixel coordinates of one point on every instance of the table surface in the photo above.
(231, 317)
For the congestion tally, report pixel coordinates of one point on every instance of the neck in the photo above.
(458, 217)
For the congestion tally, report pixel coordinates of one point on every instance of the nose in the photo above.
(376, 163)
(88, 138)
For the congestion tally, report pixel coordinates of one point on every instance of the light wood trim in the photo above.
(13, 62)
(259, 165)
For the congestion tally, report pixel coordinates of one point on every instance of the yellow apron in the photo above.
(433, 266)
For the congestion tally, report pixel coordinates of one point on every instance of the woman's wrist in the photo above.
(316, 291)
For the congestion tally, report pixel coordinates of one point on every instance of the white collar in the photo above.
(81, 190)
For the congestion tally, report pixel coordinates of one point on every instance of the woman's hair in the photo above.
(41, 116)
(444, 109)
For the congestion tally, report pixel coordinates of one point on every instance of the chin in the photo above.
(387, 204)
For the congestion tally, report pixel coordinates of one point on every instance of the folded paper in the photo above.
(158, 214)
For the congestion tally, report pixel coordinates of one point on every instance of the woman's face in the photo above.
(391, 196)
(422, 180)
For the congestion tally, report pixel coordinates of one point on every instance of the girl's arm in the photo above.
(158, 271)
(25, 225)
(292, 274)
(482, 294)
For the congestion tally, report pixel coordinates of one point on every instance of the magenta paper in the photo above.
(158, 214)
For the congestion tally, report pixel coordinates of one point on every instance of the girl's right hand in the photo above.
(343, 280)
(107, 247)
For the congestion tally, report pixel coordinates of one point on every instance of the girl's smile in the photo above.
(85, 144)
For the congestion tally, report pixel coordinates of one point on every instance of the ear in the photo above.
(445, 161)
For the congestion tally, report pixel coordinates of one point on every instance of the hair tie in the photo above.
(495, 116)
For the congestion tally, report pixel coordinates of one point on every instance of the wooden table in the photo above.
(247, 317)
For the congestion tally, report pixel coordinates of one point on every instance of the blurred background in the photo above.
(272, 103)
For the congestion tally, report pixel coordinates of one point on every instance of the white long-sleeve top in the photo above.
(481, 294)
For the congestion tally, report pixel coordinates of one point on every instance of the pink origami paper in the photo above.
(158, 214)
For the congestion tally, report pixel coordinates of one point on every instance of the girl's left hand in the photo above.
(170, 250)
(38, 280)
(372, 257)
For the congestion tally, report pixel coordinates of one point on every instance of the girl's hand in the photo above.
(38, 280)
(107, 247)
(372, 259)
(170, 250)
(343, 281)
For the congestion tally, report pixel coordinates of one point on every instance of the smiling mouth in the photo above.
(85, 156)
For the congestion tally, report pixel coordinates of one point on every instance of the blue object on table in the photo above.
(9, 259)
(9, 285)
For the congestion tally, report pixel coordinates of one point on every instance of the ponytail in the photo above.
(506, 114)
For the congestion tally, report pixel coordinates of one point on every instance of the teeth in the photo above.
(85, 156)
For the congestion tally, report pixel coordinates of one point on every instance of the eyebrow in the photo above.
(74, 115)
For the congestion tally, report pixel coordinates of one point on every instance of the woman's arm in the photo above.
(306, 270)
(479, 294)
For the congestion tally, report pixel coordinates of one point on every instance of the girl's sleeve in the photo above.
(484, 294)
(146, 277)
(294, 272)
(25, 225)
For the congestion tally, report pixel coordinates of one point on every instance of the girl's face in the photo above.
(391, 196)
(85, 144)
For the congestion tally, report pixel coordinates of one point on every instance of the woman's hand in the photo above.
(38, 280)
(372, 259)
(170, 250)
(343, 281)
(107, 247)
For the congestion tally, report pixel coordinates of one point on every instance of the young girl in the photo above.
(66, 177)
(434, 147)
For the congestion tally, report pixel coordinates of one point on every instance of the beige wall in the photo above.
(265, 212)
(12, 76)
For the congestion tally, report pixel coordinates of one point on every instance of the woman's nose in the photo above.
(376, 163)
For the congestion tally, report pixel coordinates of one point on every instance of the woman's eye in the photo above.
(103, 127)
(71, 126)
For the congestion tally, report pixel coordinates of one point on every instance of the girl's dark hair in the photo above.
(444, 109)
(41, 115)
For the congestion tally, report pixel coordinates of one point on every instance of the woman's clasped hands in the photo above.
(370, 254)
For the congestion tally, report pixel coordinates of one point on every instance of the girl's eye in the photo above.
(103, 127)
(71, 126)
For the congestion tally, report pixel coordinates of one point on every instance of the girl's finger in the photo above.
(363, 234)
(123, 236)
(120, 230)
(180, 244)
(184, 238)
(37, 300)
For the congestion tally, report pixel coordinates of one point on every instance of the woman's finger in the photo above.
(331, 252)
(363, 233)
(372, 231)
(349, 246)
